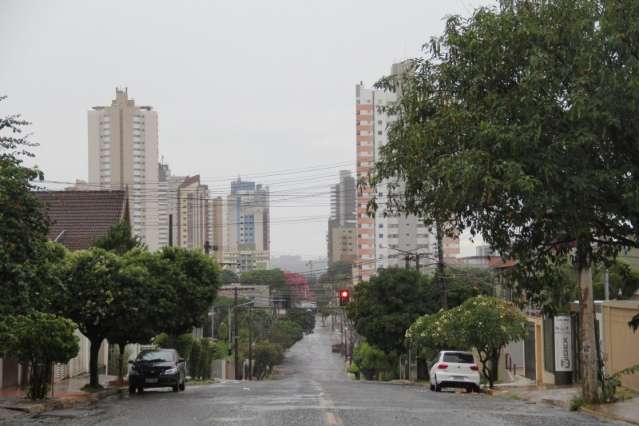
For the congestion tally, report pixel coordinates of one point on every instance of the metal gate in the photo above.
(529, 353)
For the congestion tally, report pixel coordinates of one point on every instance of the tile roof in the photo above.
(78, 218)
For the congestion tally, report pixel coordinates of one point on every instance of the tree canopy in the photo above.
(520, 125)
(23, 225)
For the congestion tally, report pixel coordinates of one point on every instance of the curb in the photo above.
(608, 416)
(60, 403)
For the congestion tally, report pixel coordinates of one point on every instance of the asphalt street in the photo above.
(311, 388)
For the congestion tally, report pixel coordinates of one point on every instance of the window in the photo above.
(381, 235)
(459, 357)
(379, 132)
(381, 225)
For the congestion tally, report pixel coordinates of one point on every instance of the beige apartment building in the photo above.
(123, 154)
(383, 240)
(192, 213)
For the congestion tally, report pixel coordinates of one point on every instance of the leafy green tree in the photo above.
(267, 355)
(23, 225)
(488, 324)
(384, 307)
(623, 280)
(370, 360)
(195, 279)
(303, 317)
(141, 315)
(519, 125)
(119, 239)
(38, 340)
(94, 298)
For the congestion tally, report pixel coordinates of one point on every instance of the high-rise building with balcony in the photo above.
(384, 240)
(123, 154)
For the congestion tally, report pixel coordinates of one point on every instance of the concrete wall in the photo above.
(621, 345)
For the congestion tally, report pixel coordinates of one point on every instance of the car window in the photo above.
(459, 357)
(156, 356)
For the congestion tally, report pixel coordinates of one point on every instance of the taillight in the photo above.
(474, 367)
(442, 366)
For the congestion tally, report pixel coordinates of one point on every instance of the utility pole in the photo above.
(250, 343)
(170, 230)
(236, 340)
(606, 285)
(229, 326)
(440, 265)
(207, 247)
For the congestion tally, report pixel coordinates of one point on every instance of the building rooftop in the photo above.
(79, 218)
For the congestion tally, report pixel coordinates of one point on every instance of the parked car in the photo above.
(157, 368)
(454, 369)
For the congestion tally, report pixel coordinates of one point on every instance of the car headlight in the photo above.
(173, 370)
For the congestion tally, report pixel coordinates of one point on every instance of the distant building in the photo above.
(383, 240)
(247, 229)
(192, 213)
(342, 236)
(123, 154)
(217, 229)
(292, 263)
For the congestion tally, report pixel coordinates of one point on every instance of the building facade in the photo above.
(383, 241)
(123, 154)
(247, 242)
(342, 235)
(193, 213)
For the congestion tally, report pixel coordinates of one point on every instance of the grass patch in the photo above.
(514, 397)
(624, 394)
(576, 403)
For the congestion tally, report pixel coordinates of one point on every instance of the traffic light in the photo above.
(344, 297)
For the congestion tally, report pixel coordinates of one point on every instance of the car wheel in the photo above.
(477, 388)
(470, 389)
(131, 390)
(182, 386)
(140, 389)
(176, 388)
(432, 387)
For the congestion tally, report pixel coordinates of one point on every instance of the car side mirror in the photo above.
(180, 359)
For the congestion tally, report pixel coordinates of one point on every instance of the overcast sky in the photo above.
(241, 87)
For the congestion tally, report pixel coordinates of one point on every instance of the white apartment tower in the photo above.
(123, 154)
(383, 241)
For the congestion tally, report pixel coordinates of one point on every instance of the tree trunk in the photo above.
(93, 362)
(588, 354)
(121, 363)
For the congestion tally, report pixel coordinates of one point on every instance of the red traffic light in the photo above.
(344, 296)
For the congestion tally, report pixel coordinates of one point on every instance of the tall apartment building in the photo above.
(247, 242)
(123, 154)
(341, 238)
(193, 213)
(217, 219)
(383, 240)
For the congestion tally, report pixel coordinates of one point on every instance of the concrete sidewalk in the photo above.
(561, 396)
(65, 394)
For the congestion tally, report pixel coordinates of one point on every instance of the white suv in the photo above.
(454, 369)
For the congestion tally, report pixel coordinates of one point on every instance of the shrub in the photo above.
(38, 340)
(266, 355)
(370, 360)
(303, 317)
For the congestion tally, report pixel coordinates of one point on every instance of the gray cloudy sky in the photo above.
(241, 87)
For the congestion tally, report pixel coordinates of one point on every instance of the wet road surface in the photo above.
(311, 388)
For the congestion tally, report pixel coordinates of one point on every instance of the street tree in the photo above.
(384, 307)
(38, 340)
(119, 239)
(519, 125)
(488, 324)
(23, 225)
(195, 279)
(94, 299)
